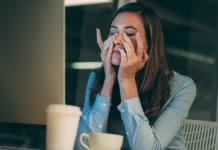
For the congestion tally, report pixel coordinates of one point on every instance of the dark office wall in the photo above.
(86, 48)
(74, 31)
(189, 29)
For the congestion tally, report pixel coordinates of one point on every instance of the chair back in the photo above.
(200, 135)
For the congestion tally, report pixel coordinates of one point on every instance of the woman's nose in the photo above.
(118, 39)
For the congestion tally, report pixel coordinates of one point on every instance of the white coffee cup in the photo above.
(102, 141)
(62, 124)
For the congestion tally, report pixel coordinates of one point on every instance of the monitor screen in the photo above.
(32, 59)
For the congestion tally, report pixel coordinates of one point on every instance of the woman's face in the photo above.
(129, 23)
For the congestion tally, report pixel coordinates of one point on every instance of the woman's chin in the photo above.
(115, 62)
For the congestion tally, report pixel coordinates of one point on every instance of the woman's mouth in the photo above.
(116, 52)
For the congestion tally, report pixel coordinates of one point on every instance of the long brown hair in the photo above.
(152, 80)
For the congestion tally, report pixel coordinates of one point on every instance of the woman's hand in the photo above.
(106, 54)
(132, 60)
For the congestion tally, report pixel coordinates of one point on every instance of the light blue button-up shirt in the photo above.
(166, 131)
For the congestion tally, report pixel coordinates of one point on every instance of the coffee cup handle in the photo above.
(81, 141)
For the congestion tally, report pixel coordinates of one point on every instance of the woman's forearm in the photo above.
(107, 88)
(100, 110)
(128, 90)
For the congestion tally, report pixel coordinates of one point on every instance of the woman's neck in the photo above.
(116, 68)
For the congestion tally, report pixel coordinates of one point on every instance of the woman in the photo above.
(134, 94)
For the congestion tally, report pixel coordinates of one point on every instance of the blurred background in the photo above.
(191, 33)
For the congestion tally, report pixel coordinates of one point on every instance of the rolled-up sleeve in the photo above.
(93, 119)
(142, 136)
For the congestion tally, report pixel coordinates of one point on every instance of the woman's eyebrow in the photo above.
(126, 27)
(113, 27)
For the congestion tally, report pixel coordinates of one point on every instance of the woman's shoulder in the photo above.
(92, 74)
(91, 78)
(180, 80)
(181, 85)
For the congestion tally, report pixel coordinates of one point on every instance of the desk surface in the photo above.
(16, 148)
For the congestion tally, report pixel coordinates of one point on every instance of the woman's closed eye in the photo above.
(129, 34)
(112, 33)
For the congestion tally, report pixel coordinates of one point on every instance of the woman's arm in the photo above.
(128, 90)
(94, 119)
(141, 135)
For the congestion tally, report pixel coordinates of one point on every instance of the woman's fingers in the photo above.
(100, 41)
(123, 57)
(99, 38)
(109, 52)
(139, 51)
(105, 46)
(110, 38)
(105, 50)
(129, 53)
(127, 39)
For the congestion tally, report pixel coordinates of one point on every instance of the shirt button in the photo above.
(104, 104)
(122, 110)
(100, 126)
(127, 133)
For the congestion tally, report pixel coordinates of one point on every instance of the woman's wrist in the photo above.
(128, 89)
(107, 88)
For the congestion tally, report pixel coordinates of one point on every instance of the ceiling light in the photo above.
(84, 65)
(85, 2)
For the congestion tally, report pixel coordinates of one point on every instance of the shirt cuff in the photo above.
(133, 106)
(102, 104)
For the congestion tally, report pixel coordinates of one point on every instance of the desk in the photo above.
(16, 148)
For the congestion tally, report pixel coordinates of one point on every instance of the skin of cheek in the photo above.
(134, 43)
